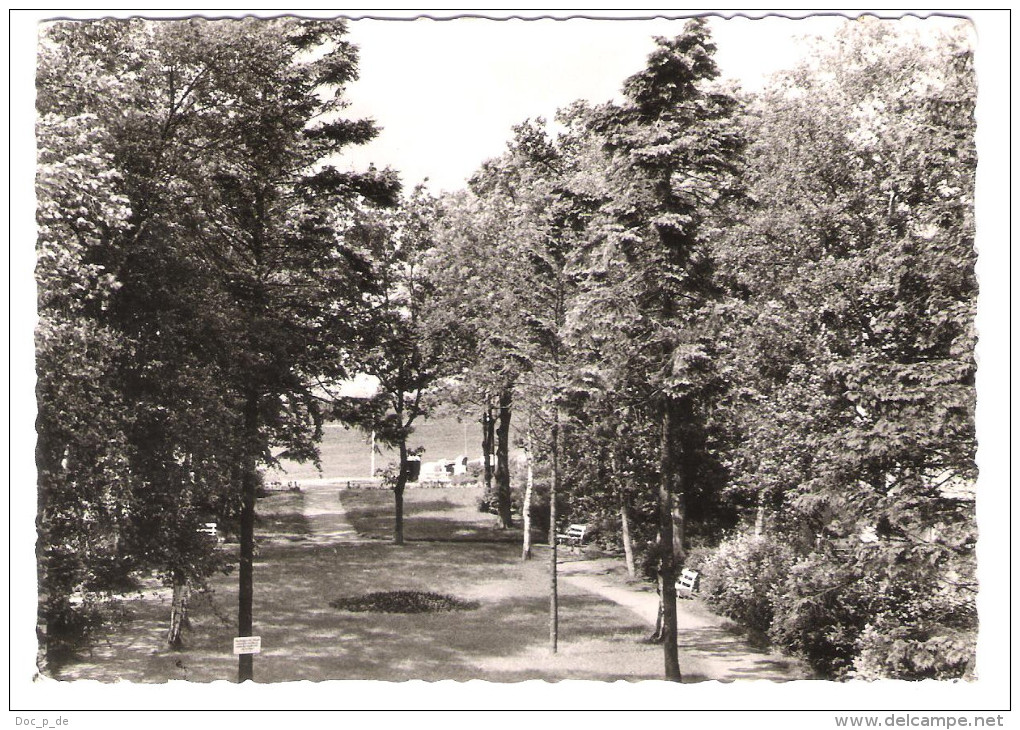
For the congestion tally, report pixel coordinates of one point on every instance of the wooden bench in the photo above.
(686, 583)
(573, 537)
(209, 528)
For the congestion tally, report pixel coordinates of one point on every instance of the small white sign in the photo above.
(247, 644)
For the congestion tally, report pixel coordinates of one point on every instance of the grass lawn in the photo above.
(445, 514)
(452, 549)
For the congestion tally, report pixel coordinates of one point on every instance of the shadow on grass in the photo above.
(303, 638)
(289, 525)
(436, 505)
(454, 550)
(279, 517)
(454, 517)
(279, 503)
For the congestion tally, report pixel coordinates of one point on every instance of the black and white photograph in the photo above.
(601, 360)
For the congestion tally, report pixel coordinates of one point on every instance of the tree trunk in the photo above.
(249, 480)
(656, 636)
(48, 455)
(488, 437)
(503, 458)
(628, 546)
(667, 567)
(371, 457)
(398, 496)
(759, 516)
(554, 628)
(678, 515)
(526, 507)
(178, 611)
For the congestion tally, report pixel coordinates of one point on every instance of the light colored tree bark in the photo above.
(628, 547)
(526, 507)
(178, 612)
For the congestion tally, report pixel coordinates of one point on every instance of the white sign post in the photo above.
(248, 645)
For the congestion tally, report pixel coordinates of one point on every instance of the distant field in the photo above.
(346, 452)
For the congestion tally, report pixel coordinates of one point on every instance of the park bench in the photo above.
(573, 537)
(686, 583)
(209, 528)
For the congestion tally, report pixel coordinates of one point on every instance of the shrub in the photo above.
(698, 557)
(540, 508)
(403, 602)
(742, 576)
(930, 636)
(489, 504)
(892, 650)
(860, 613)
(820, 611)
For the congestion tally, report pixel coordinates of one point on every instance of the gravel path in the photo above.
(327, 517)
(711, 648)
(327, 522)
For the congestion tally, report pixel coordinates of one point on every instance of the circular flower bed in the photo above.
(403, 602)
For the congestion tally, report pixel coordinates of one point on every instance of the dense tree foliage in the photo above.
(230, 286)
(857, 410)
(672, 156)
(802, 353)
(475, 234)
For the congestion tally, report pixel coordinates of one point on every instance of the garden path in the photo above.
(326, 518)
(711, 647)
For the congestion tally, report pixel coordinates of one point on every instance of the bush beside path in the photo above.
(711, 647)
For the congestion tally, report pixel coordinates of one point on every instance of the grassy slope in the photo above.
(346, 453)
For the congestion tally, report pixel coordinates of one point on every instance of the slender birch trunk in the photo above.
(656, 636)
(178, 611)
(526, 507)
(553, 490)
(628, 546)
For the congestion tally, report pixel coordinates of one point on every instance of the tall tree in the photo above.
(511, 240)
(115, 83)
(220, 132)
(81, 422)
(408, 344)
(272, 209)
(475, 237)
(860, 417)
(673, 148)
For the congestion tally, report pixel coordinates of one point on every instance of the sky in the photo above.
(446, 93)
